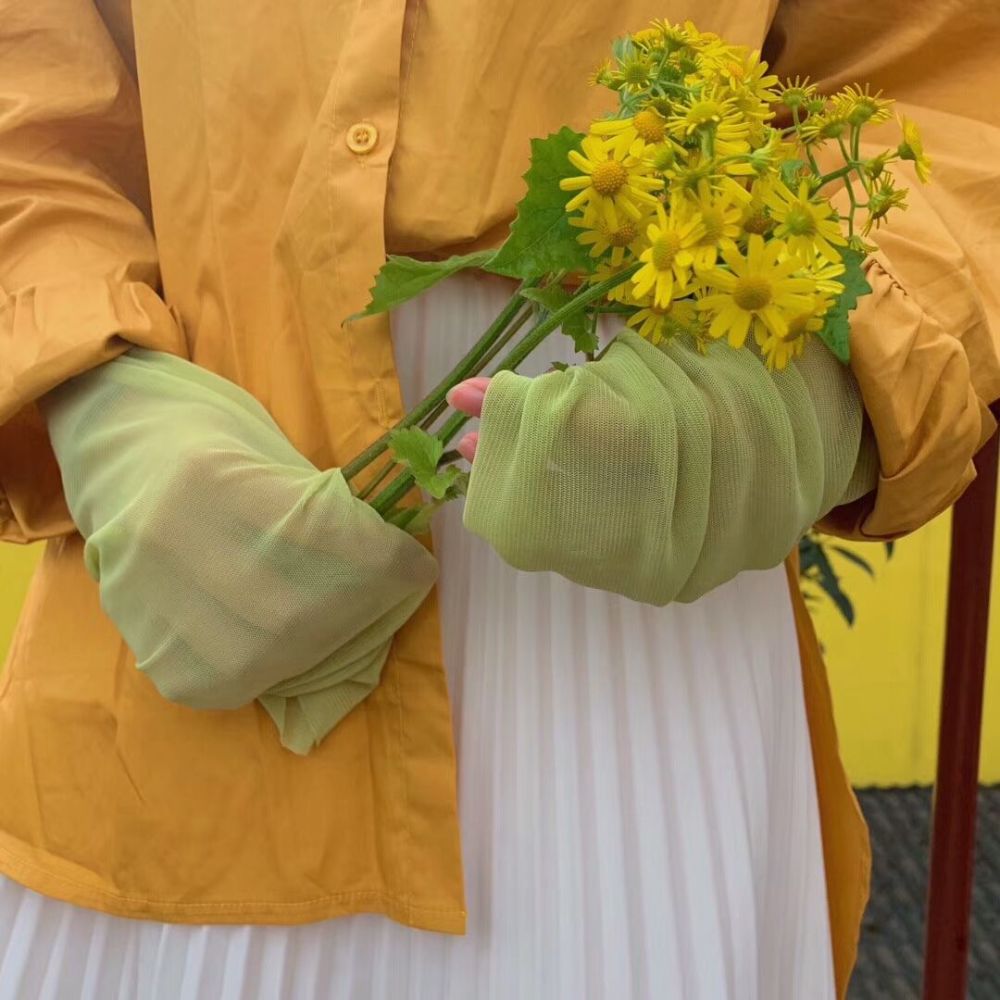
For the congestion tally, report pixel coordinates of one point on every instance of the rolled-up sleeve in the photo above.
(79, 279)
(924, 344)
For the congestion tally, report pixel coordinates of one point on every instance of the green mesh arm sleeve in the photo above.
(233, 568)
(658, 472)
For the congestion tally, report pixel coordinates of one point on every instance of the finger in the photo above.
(468, 396)
(467, 446)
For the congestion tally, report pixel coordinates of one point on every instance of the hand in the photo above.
(232, 566)
(467, 397)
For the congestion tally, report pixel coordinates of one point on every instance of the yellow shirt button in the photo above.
(361, 137)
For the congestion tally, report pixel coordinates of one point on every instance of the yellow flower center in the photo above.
(757, 222)
(609, 177)
(635, 73)
(623, 235)
(752, 292)
(665, 158)
(800, 222)
(665, 249)
(649, 126)
(714, 227)
(798, 326)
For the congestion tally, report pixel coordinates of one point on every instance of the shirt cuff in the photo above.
(48, 334)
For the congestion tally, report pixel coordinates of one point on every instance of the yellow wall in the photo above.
(16, 564)
(885, 671)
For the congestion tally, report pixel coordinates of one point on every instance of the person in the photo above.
(192, 199)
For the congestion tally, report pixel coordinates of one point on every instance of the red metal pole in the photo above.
(954, 832)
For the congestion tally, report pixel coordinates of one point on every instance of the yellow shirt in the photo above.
(288, 147)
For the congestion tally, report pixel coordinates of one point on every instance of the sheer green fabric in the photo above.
(658, 472)
(233, 568)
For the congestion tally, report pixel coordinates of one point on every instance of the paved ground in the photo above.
(891, 956)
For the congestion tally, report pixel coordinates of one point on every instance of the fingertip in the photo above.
(467, 445)
(468, 396)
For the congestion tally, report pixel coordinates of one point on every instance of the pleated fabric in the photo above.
(638, 807)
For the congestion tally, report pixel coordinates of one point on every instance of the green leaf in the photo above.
(791, 172)
(836, 332)
(403, 278)
(854, 558)
(558, 366)
(421, 452)
(541, 239)
(417, 520)
(578, 326)
(550, 297)
(623, 48)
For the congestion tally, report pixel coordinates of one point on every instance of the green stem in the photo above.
(369, 488)
(805, 145)
(434, 398)
(498, 345)
(834, 174)
(400, 486)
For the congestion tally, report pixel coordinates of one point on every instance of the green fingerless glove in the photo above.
(233, 568)
(660, 473)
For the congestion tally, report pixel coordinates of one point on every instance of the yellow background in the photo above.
(885, 671)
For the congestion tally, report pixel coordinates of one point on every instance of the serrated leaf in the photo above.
(417, 520)
(420, 452)
(836, 332)
(541, 239)
(584, 334)
(577, 327)
(403, 278)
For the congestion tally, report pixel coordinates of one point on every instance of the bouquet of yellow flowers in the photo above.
(698, 209)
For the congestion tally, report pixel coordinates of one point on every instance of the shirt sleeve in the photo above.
(924, 343)
(78, 267)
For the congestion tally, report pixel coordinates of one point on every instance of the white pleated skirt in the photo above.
(636, 793)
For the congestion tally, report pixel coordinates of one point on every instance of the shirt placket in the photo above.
(363, 122)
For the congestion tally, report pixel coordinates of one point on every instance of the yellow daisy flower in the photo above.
(621, 293)
(675, 36)
(713, 111)
(656, 325)
(758, 290)
(635, 73)
(750, 87)
(720, 217)
(809, 227)
(601, 238)
(778, 351)
(858, 106)
(648, 38)
(825, 273)
(602, 75)
(821, 126)
(795, 93)
(912, 148)
(616, 184)
(668, 259)
(884, 198)
(648, 125)
(755, 217)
